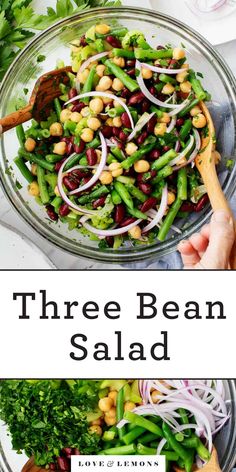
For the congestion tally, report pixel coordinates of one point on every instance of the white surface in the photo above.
(61, 259)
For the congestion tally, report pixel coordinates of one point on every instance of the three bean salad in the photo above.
(115, 158)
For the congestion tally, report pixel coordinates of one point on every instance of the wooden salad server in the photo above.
(206, 165)
(211, 466)
(31, 467)
(44, 92)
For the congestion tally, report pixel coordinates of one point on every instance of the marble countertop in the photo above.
(61, 259)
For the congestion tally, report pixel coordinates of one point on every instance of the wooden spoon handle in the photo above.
(15, 118)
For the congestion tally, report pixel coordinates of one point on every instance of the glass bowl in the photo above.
(225, 441)
(54, 44)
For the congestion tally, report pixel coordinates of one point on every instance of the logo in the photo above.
(126, 463)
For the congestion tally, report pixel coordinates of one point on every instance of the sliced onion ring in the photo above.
(140, 124)
(107, 232)
(194, 154)
(161, 211)
(171, 125)
(161, 70)
(106, 95)
(94, 58)
(183, 153)
(99, 170)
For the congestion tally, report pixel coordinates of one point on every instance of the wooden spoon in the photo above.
(211, 466)
(31, 467)
(206, 164)
(39, 107)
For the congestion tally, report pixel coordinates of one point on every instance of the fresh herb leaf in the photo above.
(41, 58)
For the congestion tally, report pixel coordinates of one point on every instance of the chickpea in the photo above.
(96, 105)
(105, 404)
(109, 421)
(100, 70)
(178, 53)
(106, 177)
(131, 148)
(186, 87)
(146, 73)
(117, 104)
(185, 66)
(82, 76)
(33, 189)
(117, 85)
(160, 129)
(111, 413)
(94, 123)
(113, 396)
(60, 148)
(115, 169)
(30, 144)
(87, 135)
(106, 100)
(94, 63)
(135, 232)
(76, 117)
(97, 422)
(181, 76)
(154, 396)
(109, 122)
(65, 115)
(119, 61)
(165, 118)
(99, 155)
(168, 89)
(75, 45)
(95, 429)
(199, 121)
(195, 111)
(56, 129)
(85, 112)
(105, 83)
(170, 198)
(34, 169)
(102, 29)
(141, 166)
(117, 121)
(129, 406)
(56, 191)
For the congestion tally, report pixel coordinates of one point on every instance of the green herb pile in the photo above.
(18, 23)
(45, 416)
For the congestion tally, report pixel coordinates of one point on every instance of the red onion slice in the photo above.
(107, 232)
(153, 99)
(161, 445)
(94, 58)
(145, 118)
(161, 211)
(99, 170)
(161, 70)
(206, 7)
(195, 152)
(171, 125)
(106, 95)
(183, 153)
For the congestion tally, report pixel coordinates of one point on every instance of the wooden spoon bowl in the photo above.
(211, 466)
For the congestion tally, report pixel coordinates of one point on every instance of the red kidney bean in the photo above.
(72, 93)
(52, 466)
(83, 41)
(151, 124)
(188, 206)
(87, 179)
(135, 98)
(70, 183)
(76, 451)
(91, 157)
(202, 203)
(78, 174)
(110, 240)
(107, 131)
(59, 164)
(141, 138)
(66, 140)
(160, 47)
(115, 131)
(127, 221)
(64, 209)
(166, 148)
(99, 202)
(130, 72)
(130, 62)
(69, 148)
(51, 213)
(154, 154)
(125, 120)
(119, 213)
(78, 148)
(152, 90)
(180, 122)
(63, 463)
(67, 451)
(150, 203)
(125, 93)
(114, 42)
(145, 105)
(123, 136)
(117, 143)
(78, 106)
(173, 64)
(146, 188)
(130, 172)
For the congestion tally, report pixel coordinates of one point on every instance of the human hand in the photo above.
(211, 247)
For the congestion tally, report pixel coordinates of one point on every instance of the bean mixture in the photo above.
(115, 158)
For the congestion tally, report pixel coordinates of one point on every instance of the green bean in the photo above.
(56, 203)
(83, 161)
(89, 83)
(44, 133)
(137, 214)
(159, 87)
(70, 125)
(185, 129)
(143, 422)
(123, 53)
(118, 240)
(157, 192)
(150, 54)
(147, 438)
(130, 437)
(148, 451)
(142, 43)
(189, 107)
(124, 179)
(119, 32)
(182, 185)
(129, 83)
(130, 161)
(120, 411)
(102, 190)
(118, 153)
(53, 158)
(202, 451)
(51, 179)
(196, 86)
(177, 447)
(167, 79)
(158, 112)
(29, 156)
(24, 169)
(169, 219)
(191, 442)
(108, 435)
(182, 412)
(119, 451)
(94, 143)
(188, 463)
(164, 160)
(136, 193)
(42, 185)
(57, 107)
(113, 112)
(20, 134)
(74, 160)
(163, 174)
(124, 194)
(115, 197)
(181, 463)
(110, 158)
(179, 437)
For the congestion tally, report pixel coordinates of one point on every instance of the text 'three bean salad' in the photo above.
(115, 158)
